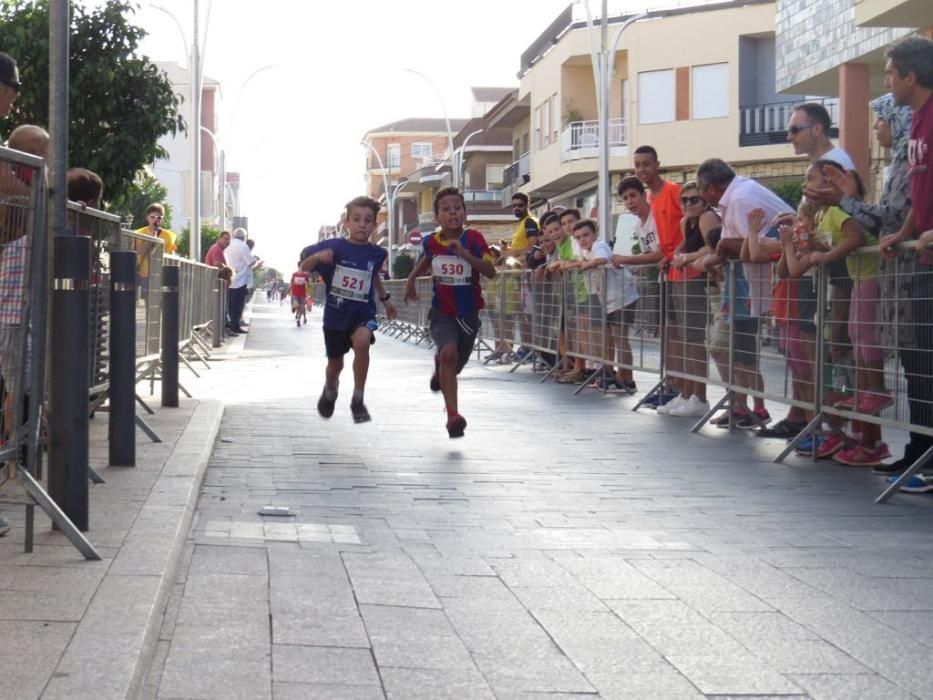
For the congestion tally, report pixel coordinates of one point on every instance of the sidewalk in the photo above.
(566, 547)
(81, 629)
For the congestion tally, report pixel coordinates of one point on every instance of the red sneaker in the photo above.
(830, 445)
(873, 404)
(860, 456)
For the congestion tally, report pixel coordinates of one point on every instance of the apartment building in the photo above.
(174, 172)
(396, 155)
(836, 47)
(693, 82)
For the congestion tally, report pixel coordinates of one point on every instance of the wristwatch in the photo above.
(385, 298)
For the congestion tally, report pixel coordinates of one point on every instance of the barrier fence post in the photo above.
(69, 453)
(121, 428)
(170, 280)
(217, 337)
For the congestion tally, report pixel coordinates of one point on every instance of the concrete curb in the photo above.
(115, 642)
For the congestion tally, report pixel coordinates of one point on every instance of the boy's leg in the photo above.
(361, 339)
(337, 344)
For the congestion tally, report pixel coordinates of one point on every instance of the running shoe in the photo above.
(805, 446)
(754, 419)
(325, 406)
(360, 414)
(895, 467)
(665, 408)
(456, 425)
(829, 445)
(691, 408)
(783, 429)
(873, 404)
(630, 387)
(861, 456)
(722, 420)
(917, 483)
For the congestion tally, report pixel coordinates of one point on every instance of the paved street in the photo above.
(565, 548)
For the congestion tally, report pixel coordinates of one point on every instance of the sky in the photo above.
(295, 134)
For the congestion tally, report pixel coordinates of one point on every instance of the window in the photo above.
(656, 96)
(555, 129)
(709, 91)
(394, 156)
(421, 150)
(494, 176)
(539, 139)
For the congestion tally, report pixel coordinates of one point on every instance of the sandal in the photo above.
(571, 377)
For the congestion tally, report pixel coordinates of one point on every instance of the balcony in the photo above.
(763, 125)
(518, 173)
(581, 139)
(477, 196)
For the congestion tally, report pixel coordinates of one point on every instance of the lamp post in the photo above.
(394, 200)
(221, 156)
(462, 154)
(450, 134)
(239, 94)
(194, 68)
(603, 65)
(389, 200)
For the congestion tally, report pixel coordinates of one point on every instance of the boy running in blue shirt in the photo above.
(350, 270)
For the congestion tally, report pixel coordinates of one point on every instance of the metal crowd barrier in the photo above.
(834, 353)
(198, 284)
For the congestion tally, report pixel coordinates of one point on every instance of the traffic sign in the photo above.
(414, 237)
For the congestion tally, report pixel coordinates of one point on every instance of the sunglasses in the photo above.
(690, 201)
(794, 130)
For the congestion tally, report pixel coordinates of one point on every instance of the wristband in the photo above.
(385, 298)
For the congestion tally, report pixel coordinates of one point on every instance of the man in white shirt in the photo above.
(240, 259)
(736, 197)
(808, 131)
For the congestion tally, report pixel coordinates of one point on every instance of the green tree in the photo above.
(143, 191)
(402, 267)
(791, 191)
(120, 103)
(209, 236)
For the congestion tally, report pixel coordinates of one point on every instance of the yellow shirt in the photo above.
(862, 267)
(142, 253)
(523, 229)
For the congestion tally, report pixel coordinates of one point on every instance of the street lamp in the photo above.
(389, 200)
(194, 68)
(461, 155)
(239, 94)
(221, 157)
(603, 66)
(394, 200)
(450, 134)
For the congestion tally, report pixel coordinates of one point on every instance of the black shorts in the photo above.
(806, 305)
(745, 343)
(624, 316)
(452, 330)
(337, 343)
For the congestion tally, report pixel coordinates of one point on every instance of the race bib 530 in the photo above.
(449, 269)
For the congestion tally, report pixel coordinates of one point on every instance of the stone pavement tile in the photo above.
(33, 648)
(699, 586)
(388, 579)
(414, 638)
(879, 647)
(456, 566)
(514, 674)
(434, 684)
(613, 577)
(804, 656)
(151, 542)
(748, 627)
(736, 674)
(575, 597)
(534, 572)
(847, 687)
(313, 691)
(323, 665)
(668, 684)
(104, 655)
(249, 561)
(916, 625)
(210, 598)
(471, 588)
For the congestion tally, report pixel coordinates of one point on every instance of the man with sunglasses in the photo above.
(808, 132)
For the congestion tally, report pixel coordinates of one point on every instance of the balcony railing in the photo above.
(514, 175)
(475, 196)
(761, 125)
(581, 139)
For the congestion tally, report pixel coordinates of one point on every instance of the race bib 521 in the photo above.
(350, 283)
(449, 269)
